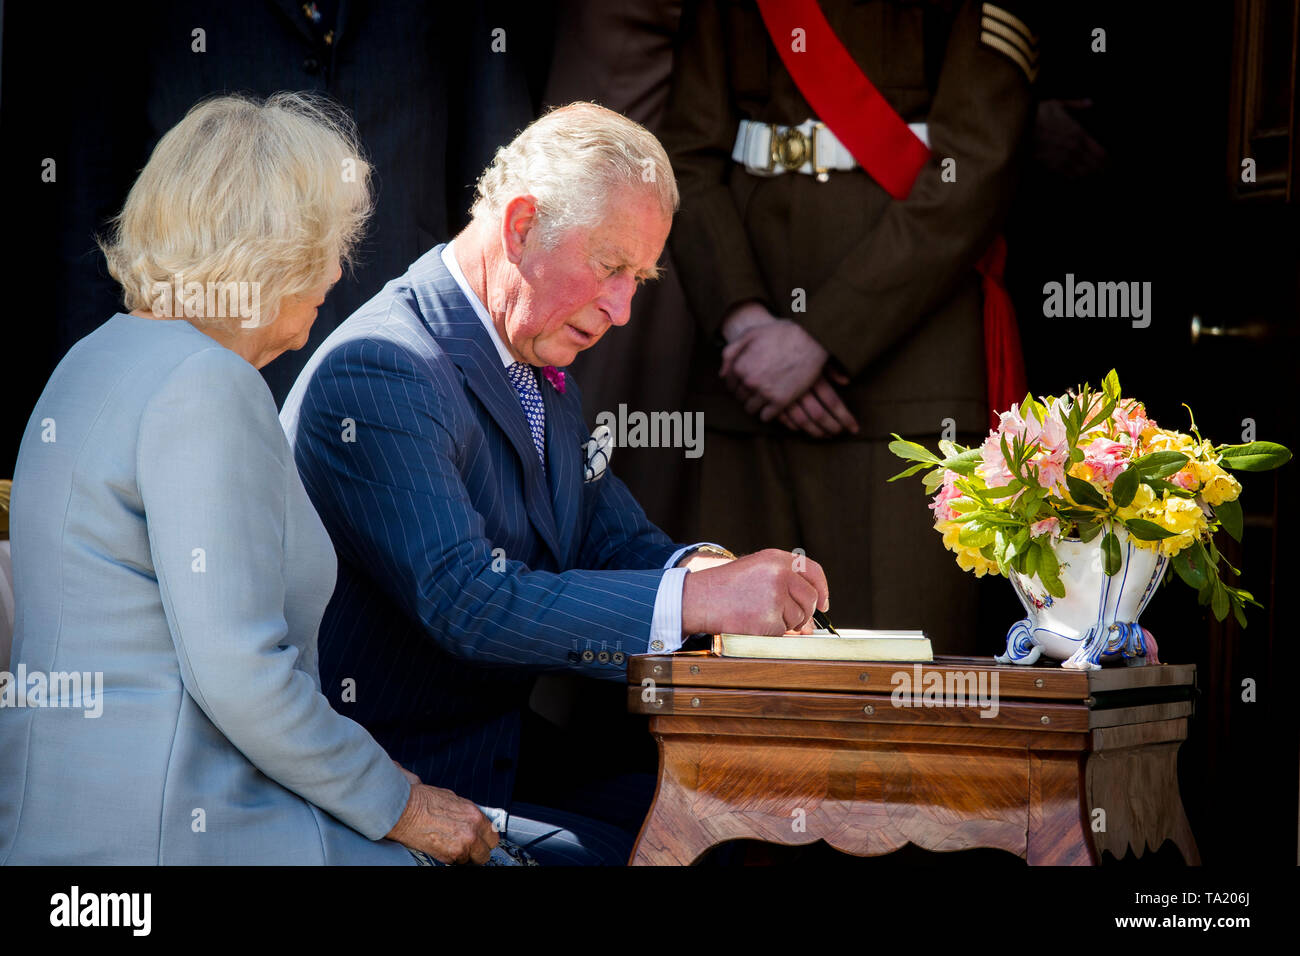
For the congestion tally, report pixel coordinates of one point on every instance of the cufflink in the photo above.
(656, 645)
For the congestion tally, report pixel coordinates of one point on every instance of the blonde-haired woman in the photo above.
(165, 551)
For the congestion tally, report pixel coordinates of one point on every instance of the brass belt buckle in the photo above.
(789, 148)
(821, 172)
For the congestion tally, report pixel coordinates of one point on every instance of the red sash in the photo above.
(891, 154)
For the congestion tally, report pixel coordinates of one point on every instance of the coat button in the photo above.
(311, 64)
(603, 657)
(588, 657)
(618, 657)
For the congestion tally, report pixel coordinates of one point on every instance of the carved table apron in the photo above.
(870, 756)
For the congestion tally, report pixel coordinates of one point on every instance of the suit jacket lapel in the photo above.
(452, 321)
(564, 462)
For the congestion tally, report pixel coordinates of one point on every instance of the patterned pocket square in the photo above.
(597, 450)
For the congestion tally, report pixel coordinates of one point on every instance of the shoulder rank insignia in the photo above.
(1002, 30)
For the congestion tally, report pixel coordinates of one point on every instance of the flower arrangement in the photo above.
(1086, 464)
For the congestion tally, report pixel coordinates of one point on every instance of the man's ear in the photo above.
(520, 218)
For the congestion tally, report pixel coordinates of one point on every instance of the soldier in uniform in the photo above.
(838, 313)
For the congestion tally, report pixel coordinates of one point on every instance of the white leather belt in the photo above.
(766, 149)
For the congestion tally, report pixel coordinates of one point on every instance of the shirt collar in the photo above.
(449, 260)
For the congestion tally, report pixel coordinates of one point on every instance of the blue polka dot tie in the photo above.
(524, 380)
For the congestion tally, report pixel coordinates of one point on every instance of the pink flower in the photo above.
(994, 469)
(942, 510)
(1131, 419)
(1185, 479)
(555, 376)
(1047, 526)
(1105, 458)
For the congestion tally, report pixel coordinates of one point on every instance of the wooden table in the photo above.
(1073, 763)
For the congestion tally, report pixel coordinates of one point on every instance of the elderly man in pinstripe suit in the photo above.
(444, 450)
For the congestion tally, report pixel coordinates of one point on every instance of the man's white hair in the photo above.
(572, 160)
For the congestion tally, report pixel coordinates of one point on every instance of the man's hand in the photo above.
(446, 827)
(820, 411)
(771, 364)
(770, 592)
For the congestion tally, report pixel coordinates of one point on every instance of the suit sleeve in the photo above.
(710, 248)
(396, 504)
(925, 244)
(212, 466)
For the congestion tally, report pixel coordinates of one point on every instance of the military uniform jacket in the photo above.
(889, 287)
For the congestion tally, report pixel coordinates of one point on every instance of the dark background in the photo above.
(1179, 97)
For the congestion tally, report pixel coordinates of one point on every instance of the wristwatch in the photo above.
(706, 549)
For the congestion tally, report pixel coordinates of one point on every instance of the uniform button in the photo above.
(618, 657)
(603, 657)
(311, 64)
(588, 657)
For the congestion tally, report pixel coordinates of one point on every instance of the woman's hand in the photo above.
(445, 826)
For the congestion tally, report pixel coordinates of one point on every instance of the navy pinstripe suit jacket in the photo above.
(463, 571)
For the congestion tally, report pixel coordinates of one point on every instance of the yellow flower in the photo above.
(968, 558)
(1161, 439)
(1184, 518)
(1217, 486)
(1143, 499)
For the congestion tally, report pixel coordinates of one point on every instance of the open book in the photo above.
(849, 645)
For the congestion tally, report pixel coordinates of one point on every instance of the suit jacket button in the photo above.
(588, 657)
(603, 657)
(618, 657)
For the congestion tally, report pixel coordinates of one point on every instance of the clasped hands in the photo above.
(778, 370)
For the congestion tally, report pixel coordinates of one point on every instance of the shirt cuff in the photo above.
(666, 625)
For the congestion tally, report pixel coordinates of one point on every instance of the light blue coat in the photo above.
(161, 536)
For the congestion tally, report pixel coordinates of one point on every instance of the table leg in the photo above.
(1058, 829)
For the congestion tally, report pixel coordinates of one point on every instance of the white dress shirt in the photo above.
(666, 624)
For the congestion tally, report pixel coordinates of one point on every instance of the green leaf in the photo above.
(1190, 568)
(1126, 486)
(1032, 556)
(1076, 454)
(1159, 485)
(1110, 555)
(1239, 612)
(1048, 566)
(1159, 464)
(1219, 602)
(907, 473)
(963, 464)
(1084, 492)
(1110, 385)
(1089, 530)
(1053, 585)
(1229, 515)
(1106, 411)
(1254, 456)
(932, 480)
(1005, 491)
(976, 537)
(911, 451)
(1147, 530)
